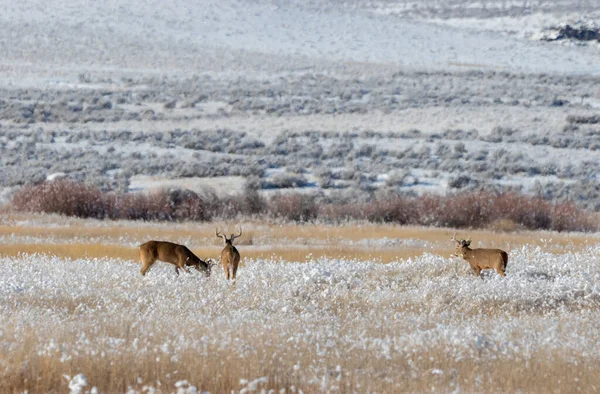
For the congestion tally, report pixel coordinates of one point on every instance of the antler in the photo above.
(459, 240)
(234, 236)
(218, 233)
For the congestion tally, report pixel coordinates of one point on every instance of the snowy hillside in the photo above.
(58, 40)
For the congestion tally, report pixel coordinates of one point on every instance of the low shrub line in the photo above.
(480, 209)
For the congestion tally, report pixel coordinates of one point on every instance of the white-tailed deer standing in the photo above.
(230, 257)
(480, 259)
(169, 252)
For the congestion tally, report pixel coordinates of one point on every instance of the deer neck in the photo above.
(468, 253)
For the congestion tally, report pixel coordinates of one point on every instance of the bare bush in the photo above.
(64, 197)
(293, 207)
(481, 209)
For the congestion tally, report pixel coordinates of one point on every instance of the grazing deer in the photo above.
(176, 254)
(230, 257)
(480, 259)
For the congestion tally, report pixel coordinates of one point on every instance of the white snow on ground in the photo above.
(56, 41)
(224, 185)
(548, 303)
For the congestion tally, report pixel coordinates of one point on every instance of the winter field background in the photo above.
(334, 98)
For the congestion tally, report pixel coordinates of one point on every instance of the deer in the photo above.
(230, 257)
(480, 259)
(178, 255)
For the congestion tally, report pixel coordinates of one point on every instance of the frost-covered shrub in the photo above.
(365, 150)
(579, 119)
(326, 178)
(459, 134)
(443, 150)
(339, 150)
(285, 181)
(459, 150)
(481, 155)
(412, 134)
(347, 174)
(461, 182)
(396, 178)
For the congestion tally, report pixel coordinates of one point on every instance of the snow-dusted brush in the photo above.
(230, 257)
(169, 252)
(480, 259)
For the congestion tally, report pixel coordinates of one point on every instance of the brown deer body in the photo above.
(480, 259)
(230, 257)
(169, 252)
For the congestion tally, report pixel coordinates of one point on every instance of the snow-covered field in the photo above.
(323, 326)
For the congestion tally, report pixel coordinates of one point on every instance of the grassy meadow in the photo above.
(354, 308)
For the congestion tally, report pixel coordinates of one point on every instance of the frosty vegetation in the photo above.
(417, 325)
(102, 136)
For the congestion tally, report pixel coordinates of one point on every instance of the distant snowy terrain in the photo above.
(418, 97)
(60, 39)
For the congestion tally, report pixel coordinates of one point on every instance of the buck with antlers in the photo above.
(480, 259)
(169, 252)
(230, 257)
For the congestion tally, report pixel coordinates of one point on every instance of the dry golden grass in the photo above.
(217, 371)
(294, 253)
(58, 226)
(75, 238)
(260, 240)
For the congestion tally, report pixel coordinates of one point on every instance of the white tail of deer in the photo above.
(178, 255)
(230, 257)
(480, 259)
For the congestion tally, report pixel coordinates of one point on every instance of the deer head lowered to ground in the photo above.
(169, 252)
(480, 259)
(230, 257)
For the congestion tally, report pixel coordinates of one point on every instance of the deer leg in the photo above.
(181, 265)
(234, 269)
(226, 268)
(177, 270)
(501, 272)
(145, 267)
